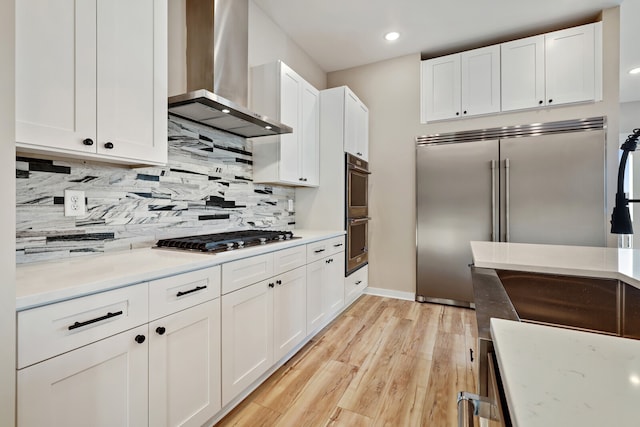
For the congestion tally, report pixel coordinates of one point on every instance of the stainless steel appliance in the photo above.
(357, 211)
(220, 242)
(542, 183)
(217, 70)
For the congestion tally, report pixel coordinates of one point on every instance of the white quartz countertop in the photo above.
(52, 281)
(612, 263)
(560, 377)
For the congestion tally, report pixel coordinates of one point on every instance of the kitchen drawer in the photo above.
(355, 284)
(289, 259)
(50, 330)
(175, 293)
(244, 272)
(324, 248)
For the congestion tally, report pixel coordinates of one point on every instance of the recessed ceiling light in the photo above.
(393, 35)
(267, 127)
(226, 111)
(635, 71)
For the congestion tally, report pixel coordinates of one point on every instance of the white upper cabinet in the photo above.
(291, 159)
(462, 84)
(480, 87)
(440, 87)
(570, 58)
(356, 122)
(557, 68)
(523, 73)
(92, 81)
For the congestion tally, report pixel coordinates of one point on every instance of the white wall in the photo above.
(267, 43)
(629, 117)
(7, 215)
(391, 91)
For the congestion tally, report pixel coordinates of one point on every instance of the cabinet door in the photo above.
(56, 73)
(290, 89)
(310, 135)
(440, 88)
(247, 337)
(522, 73)
(355, 125)
(570, 65)
(132, 79)
(333, 282)
(184, 366)
(480, 80)
(103, 384)
(316, 298)
(355, 284)
(290, 311)
(363, 139)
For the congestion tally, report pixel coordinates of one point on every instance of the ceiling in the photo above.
(340, 34)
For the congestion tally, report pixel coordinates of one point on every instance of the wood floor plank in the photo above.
(404, 398)
(318, 400)
(370, 387)
(344, 418)
(250, 415)
(448, 376)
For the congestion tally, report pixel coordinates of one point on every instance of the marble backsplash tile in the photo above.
(206, 187)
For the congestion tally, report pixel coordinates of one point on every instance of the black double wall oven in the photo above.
(357, 213)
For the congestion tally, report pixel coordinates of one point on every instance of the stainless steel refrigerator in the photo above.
(542, 183)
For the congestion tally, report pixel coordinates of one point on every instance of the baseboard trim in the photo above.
(408, 296)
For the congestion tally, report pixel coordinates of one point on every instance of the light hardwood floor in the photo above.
(383, 362)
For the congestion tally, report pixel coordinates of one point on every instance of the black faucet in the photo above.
(620, 217)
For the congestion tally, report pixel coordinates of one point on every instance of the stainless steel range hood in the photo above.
(217, 70)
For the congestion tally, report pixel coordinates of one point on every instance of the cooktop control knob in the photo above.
(263, 240)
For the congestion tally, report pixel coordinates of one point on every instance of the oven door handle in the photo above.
(353, 221)
(357, 169)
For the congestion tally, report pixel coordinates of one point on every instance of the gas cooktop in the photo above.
(219, 242)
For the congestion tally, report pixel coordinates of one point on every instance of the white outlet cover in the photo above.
(74, 203)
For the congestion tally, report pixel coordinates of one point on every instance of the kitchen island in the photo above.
(567, 375)
(601, 262)
(559, 377)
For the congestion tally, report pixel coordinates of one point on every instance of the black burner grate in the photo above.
(225, 241)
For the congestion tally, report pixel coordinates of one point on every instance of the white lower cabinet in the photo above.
(172, 352)
(103, 384)
(325, 289)
(97, 360)
(355, 284)
(184, 366)
(247, 337)
(290, 313)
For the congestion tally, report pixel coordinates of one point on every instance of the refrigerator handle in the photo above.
(494, 236)
(506, 199)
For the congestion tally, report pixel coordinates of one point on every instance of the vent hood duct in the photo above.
(217, 71)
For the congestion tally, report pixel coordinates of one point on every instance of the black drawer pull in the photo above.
(97, 319)
(196, 289)
(318, 251)
(358, 282)
(337, 245)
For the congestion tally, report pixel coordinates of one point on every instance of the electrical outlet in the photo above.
(74, 203)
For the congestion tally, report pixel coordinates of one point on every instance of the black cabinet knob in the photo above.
(271, 285)
(140, 339)
(108, 145)
(87, 141)
(160, 330)
(457, 113)
(550, 101)
(464, 112)
(540, 102)
(279, 282)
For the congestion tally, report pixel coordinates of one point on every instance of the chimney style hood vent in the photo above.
(217, 59)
